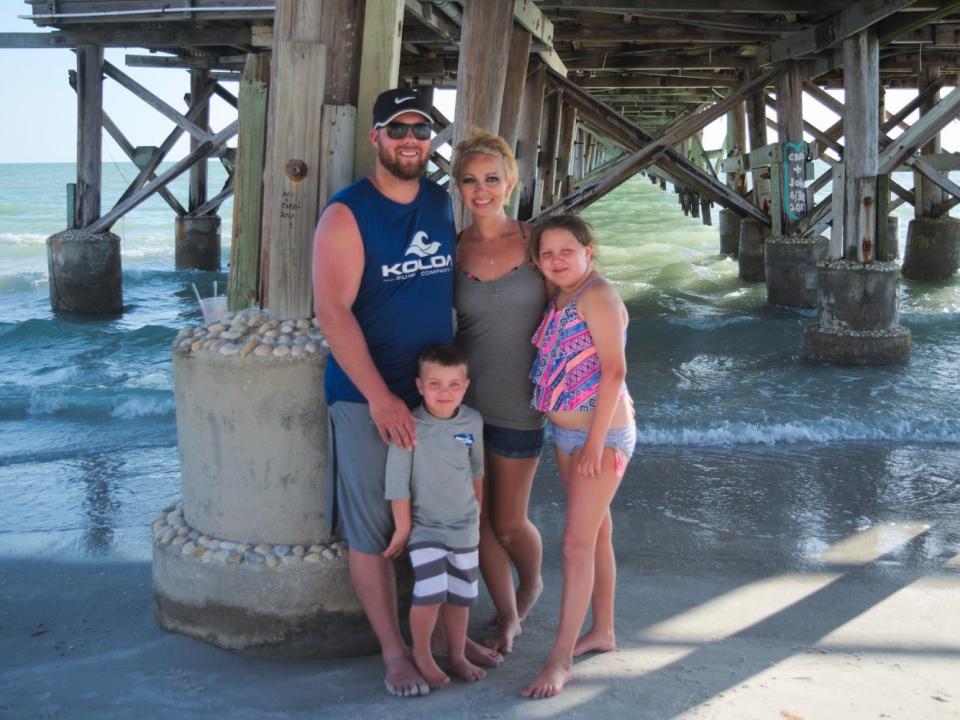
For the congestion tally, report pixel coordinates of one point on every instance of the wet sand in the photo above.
(817, 582)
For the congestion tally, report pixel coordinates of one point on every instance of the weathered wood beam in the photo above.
(628, 7)
(243, 280)
(428, 15)
(153, 101)
(208, 62)
(122, 37)
(89, 133)
(640, 81)
(919, 133)
(664, 61)
(895, 27)
(514, 81)
(528, 139)
(660, 145)
(849, 21)
(213, 203)
(147, 171)
(630, 137)
(379, 70)
(861, 125)
(197, 191)
(206, 149)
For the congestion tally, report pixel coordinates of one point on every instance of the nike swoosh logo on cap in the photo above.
(397, 101)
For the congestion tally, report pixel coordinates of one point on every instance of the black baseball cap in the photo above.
(393, 103)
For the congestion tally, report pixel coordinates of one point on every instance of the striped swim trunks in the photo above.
(444, 575)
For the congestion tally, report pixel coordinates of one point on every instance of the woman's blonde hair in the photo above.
(481, 142)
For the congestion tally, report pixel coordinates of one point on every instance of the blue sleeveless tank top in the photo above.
(405, 298)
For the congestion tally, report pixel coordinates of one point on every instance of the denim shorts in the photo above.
(510, 443)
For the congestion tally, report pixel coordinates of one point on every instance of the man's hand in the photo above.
(394, 422)
(397, 543)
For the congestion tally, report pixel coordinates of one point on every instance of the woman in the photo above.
(579, 376)
(499, 298)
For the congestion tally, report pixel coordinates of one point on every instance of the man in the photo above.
(383, 289)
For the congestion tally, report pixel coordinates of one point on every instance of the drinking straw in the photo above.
(197, 293)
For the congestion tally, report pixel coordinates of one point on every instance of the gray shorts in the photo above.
(356, 463)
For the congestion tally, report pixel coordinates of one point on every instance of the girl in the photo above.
(578, 377)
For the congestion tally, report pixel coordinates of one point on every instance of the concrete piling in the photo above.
(753, 235)
(197, 243)
(858, 315)
(729, 232)
(85, 272)
(933, 248)
(790, 268)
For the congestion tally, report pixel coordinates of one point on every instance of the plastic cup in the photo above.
(213, 308)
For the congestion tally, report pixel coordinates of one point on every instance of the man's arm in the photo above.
(337, 270)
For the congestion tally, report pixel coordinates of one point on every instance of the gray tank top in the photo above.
(495, 321)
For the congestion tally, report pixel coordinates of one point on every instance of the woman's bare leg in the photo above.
(588, 502)
(511, 481)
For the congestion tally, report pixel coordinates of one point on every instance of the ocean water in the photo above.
(743, 436)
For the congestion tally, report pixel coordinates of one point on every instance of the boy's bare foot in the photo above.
(503, 640)
(480, 655)
(595, 641)
(549, 682)
(466, 670)
(402, 678)
(527, 598)
(431, 672)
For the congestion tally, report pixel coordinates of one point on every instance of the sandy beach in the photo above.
(749, 620)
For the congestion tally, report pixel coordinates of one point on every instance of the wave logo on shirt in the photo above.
(465, 438)
(427, 260)
(419, 246)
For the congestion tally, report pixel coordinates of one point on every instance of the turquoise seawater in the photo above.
(88, 450)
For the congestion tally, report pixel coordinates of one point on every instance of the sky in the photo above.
(38, 120)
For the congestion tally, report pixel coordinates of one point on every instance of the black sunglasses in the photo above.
(398, 130)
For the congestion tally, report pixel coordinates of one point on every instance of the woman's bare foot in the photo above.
(402, 678)
(550, 681)
(503, 640)
(480, 655)
(527, 598)
(432, 674)
(466, 670)
(595, 641)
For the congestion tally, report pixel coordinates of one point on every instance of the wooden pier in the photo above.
(589, 92)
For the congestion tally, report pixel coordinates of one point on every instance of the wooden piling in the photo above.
(89, 133)
(528, 141)
(248, 182)
(379, 70)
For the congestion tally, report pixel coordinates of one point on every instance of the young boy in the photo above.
(434, 490)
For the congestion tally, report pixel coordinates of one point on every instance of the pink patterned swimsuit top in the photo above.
(566, 370)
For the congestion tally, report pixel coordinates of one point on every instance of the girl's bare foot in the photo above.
(480, 655)
(466, 670)
(595, 641)
(527, 598)
(503, 640)
(432, 674)
(550, 681)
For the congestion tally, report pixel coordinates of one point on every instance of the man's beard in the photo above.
(401, 172)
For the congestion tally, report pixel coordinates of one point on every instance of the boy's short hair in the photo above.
(443, 355)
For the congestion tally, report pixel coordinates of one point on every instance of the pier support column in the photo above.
(198, 236)
(933, 248)
(753, 236)
(246, 561)
(528, 144)
(85, 272)
(858, 296)
(84, 268)
(790, 268)
(729, 232)
(197, 242)
(933, 243)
